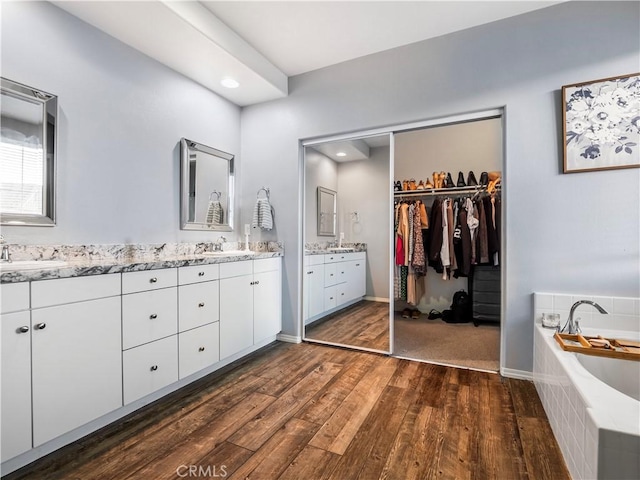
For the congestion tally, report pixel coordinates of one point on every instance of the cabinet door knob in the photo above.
(154, 368)
(331, 274)
(201, 274)
(201, 304)
(257, 282)
(41, 326)
(153, 280)
(201, 349)
(153, 316)
(357, 264)
(341, 273)
(330, 298)
(252, 283)
(23, 329)
(309, 272)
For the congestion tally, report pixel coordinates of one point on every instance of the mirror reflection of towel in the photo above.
(262, 215)
(215, 213)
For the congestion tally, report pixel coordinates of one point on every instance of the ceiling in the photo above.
(261, 43)
(352, 149)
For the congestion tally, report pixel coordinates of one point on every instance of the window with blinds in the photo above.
(21, 179)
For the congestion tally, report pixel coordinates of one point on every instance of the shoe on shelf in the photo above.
(494, 179)
(460, 182)
(449, 181)
(428, 184)
(484, 179)
(471, 179)
(412, 184)
(397, 186)
(420, 185)
(405, 185)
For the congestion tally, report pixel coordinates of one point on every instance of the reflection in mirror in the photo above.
(326, 212)
(346, 263)
(27, 155)
(207, 182)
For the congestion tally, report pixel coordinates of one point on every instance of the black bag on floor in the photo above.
(460, 309)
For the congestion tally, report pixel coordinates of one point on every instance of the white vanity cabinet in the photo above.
(250, 303)
(149, 331)
(15, 324)
(75, 353)
(199, 314)
(331, 281)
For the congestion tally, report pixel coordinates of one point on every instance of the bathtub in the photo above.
(593, 406)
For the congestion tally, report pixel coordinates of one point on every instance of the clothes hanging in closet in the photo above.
(411, 221)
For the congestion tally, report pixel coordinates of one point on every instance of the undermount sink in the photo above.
(341, 249)
(31, 265)
(228, 253)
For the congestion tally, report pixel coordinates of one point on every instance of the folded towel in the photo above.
(262, 215)
(215, 214)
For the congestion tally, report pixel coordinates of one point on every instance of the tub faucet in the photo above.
(5, 256)
(572, 327)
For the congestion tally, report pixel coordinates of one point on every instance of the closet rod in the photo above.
(443, 191)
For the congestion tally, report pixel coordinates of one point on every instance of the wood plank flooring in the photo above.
(312, 412)
(363, 324)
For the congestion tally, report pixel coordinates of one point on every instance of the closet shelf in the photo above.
(441, 191)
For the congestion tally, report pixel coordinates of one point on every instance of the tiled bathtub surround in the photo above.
(596, 426)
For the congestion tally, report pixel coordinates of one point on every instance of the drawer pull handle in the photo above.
(201, 274)
(201, 304)
(41, 326)
(357, 264)
(341, 273)
(153, 280)
(153, 316)
(154, 368)
(331, 274)
(252, 283)
(257, 282)
(201, 349)
(309, 272)
(23, 329)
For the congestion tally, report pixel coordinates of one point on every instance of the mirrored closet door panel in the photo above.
(347, 235)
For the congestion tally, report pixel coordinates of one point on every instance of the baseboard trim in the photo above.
(377, 299)
(517, 374)
(283, 337)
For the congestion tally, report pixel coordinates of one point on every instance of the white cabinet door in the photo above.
(198, 348)
(16, 384)
(314, 290)
(149, 367)
(76, 365)
(267, 305)
(357, 278)
(236, 314)
(199, 304)
(330, 298)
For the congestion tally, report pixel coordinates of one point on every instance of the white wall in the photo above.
(121, 117)
(565, 233)
(363, 187)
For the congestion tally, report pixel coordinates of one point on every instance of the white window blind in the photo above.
(21, 179)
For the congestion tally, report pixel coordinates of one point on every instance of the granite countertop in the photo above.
(324, 249)
(79, 267)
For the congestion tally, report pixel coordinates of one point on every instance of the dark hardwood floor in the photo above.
(311, 412)
(363, 324)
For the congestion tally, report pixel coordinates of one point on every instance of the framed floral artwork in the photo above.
(601, 124)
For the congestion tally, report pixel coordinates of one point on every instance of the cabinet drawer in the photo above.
(198, 273)
(314, 259)
(198, 348)
(46, 293)
(342, 272)
(14, 297)
(149, 316)
(236, 269)
(199, 304)
(149, 280)
(149, 367)
(330, 257)
(266, 265)
(330, 298)
(330, 275)
(342, 293)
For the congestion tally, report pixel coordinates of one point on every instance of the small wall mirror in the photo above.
(327, 212)
(207, 187)
(28, 119)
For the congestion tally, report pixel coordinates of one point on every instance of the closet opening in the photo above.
(447, 239)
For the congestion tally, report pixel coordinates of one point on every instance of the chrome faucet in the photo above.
(572, 326)
(217, 245)
(5, 256)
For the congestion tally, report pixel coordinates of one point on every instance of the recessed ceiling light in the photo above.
(229, 83)
(341, 154)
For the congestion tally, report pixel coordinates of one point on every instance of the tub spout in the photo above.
(572, 327)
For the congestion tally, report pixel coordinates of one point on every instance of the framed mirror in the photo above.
(327, 212)
(207, 187)
(28, 119)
